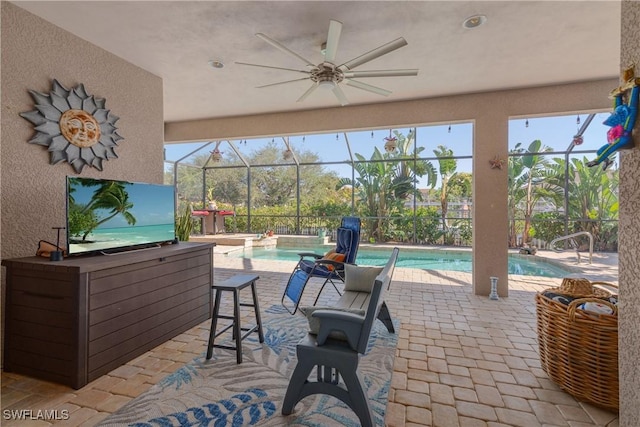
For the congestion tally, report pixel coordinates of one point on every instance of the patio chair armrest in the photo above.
(335, 264)
(350, 324)
(310, 255)
(334, 267)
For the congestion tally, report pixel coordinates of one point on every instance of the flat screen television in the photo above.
(109, 216)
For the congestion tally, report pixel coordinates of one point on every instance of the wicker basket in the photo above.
(580, 287)
(579, 349)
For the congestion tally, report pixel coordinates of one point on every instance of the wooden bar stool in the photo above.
(235, 284)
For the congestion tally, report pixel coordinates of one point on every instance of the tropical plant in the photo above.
(447, 169)
(546, 226)
(409, 167)
(385, 182)
(516, 192)
(527, 186)
(373, 185)
(461, 185)
(593, 200)
(535, 166)
(427, 228)
(184, 224)
(464, 231)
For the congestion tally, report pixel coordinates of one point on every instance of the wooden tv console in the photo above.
(75, 320)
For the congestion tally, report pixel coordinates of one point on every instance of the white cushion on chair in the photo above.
(359, 278)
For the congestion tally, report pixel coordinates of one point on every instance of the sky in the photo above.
(556, 132)
(152, 204)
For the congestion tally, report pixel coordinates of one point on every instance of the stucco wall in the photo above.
(489, 112)
(629, 330)
(34, 52)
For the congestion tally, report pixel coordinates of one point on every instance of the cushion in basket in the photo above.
(360, 278)
(563, 299)
(566, 299)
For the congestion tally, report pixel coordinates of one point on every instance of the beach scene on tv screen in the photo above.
(103, 215)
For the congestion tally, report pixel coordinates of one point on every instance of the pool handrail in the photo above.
(571, 236)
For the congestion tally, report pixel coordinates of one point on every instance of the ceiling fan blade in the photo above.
(304, 96)
(375, 53)
(367, 87)
(281, 83)
(283, 48)
(275, 68)
(381, 73)
(335, 28)
(340, 95)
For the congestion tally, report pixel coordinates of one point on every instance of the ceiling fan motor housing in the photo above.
(326, 72)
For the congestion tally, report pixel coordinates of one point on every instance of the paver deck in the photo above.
(462, 360)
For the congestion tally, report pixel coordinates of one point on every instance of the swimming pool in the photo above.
(414, 258)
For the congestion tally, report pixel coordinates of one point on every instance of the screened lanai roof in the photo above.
(332, 148)
(556, 132)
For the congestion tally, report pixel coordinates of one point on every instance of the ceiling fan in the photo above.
(329, 75)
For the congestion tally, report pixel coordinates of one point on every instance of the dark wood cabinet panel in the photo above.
(75, 320)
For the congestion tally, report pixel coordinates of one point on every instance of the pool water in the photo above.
(423, 259)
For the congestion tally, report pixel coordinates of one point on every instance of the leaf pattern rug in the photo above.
(221, 393)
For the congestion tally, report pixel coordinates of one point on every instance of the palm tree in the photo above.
(386, 180)
(374, 186)
(515, 192)
(410, 167)
(447, 169)
(113, 197)
(526, 179)
(534, 165)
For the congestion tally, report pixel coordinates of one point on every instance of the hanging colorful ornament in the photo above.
(622, 119)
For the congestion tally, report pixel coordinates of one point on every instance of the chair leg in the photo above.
(296, 384)
(237, 327)
(385, 317)
(214, 324)
(256, 308)
(320, 292)
(328, 280)
(359, 400)
(330, 367)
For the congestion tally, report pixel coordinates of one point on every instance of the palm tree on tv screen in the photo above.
(110, 196)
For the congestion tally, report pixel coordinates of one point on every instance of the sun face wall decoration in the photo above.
(75, 126)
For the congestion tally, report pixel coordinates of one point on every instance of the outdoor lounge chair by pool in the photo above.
(329, 267)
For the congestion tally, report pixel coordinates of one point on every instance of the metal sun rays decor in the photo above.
(75, 126)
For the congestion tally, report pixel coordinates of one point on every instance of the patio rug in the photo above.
(221, 393)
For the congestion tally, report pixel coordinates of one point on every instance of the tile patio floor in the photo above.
(462, 360)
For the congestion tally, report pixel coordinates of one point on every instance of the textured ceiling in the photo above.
(522, 44)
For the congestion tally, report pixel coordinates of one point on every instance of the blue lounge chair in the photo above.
(314, 265)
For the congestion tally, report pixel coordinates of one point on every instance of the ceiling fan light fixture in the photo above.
(327, 84)
(474, 21)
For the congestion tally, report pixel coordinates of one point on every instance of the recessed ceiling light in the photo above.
(216, 63)
(474, 21)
